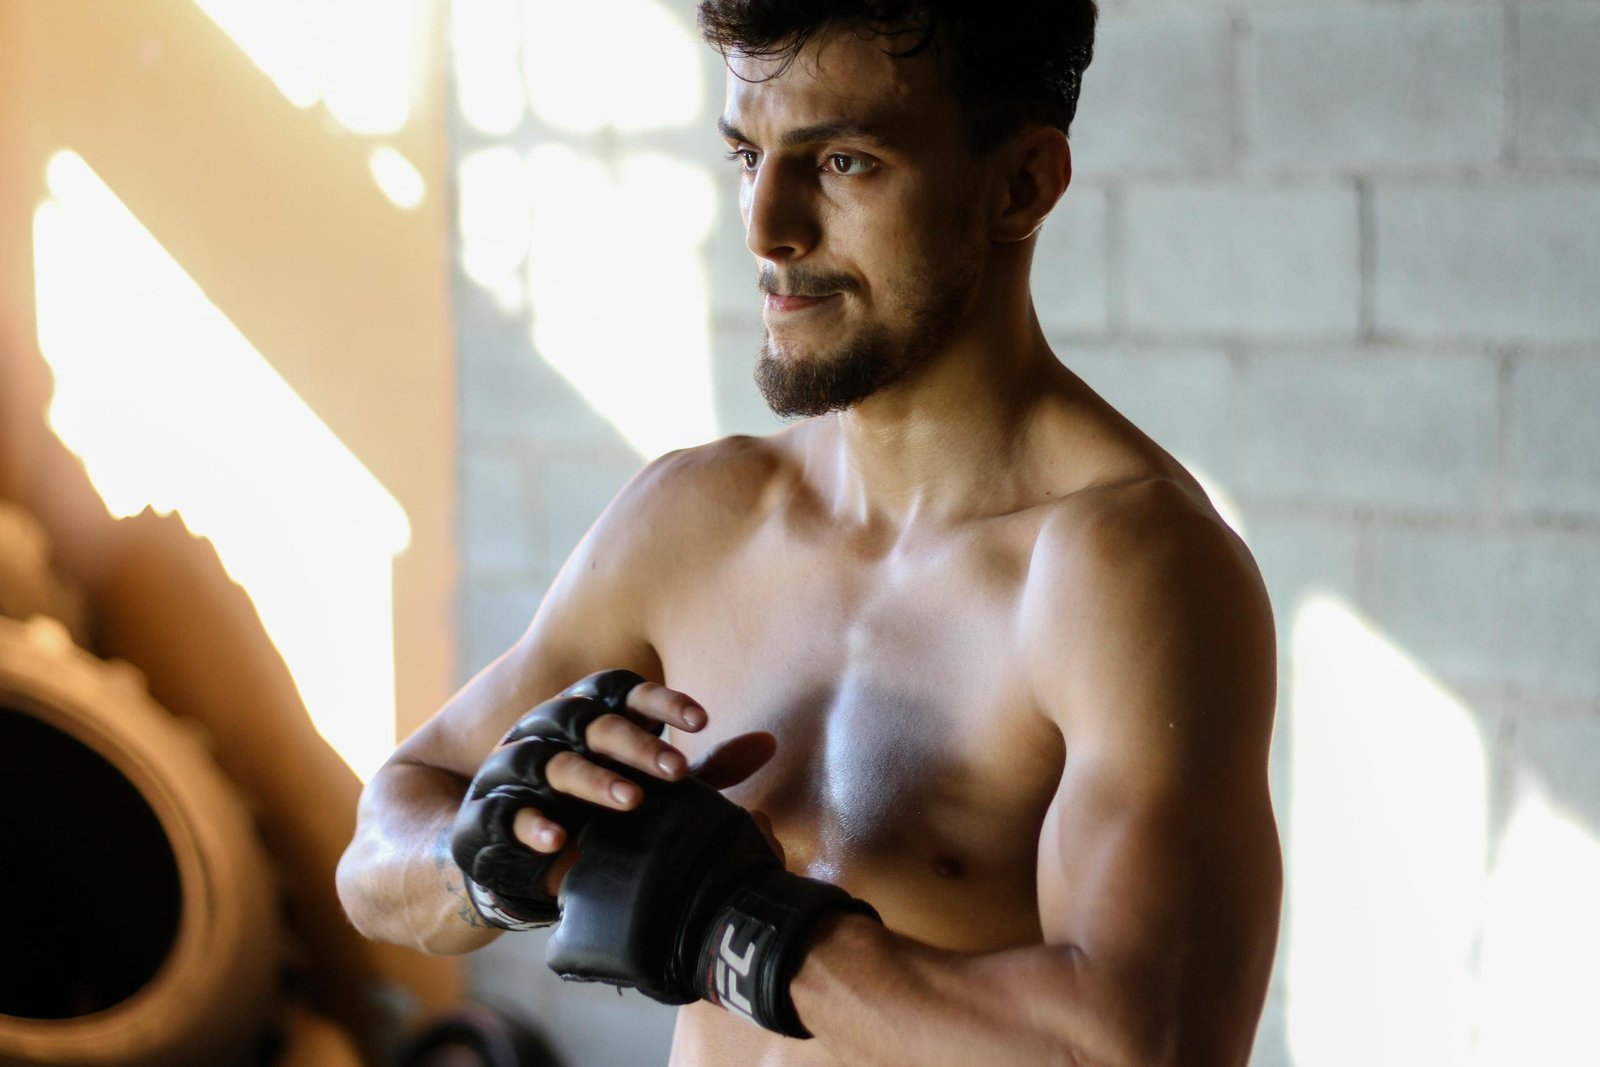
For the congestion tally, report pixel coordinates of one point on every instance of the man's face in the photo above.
(858, 198)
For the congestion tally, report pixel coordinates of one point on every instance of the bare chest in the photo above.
(912, 765)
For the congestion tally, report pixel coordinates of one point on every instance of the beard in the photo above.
(816, 382)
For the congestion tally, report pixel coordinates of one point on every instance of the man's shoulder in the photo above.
(1141, 509)
(1142, 551)
(727, 474)
(1146, 622)
(1149, 513)
(699, 496)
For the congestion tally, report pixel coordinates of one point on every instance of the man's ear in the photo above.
(1037, 168)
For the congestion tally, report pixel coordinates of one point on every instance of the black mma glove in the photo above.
(504, 877)
(683, 899)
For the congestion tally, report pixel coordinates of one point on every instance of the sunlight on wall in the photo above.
(645, 77)
(356, 56)
(603, 247)
(1387, 853)
(170, 407)
(397, 177)
(619, 295)
(276, 37)
(485, 42)
(1541, 948)
(366, 57)
(492, 220)
(359, 58)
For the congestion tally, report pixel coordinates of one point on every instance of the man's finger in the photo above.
(538, 832)
(736, 759)
(615, 737)
(570, 773)
(660, 704)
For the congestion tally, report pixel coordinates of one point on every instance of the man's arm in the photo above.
(1159, 871)
(397, 880)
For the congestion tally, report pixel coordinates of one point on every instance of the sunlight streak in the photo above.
(492, 223)
(1542, 941)
(599, 248)
(484, 40)
(359, 58)
(637, 348)
(1387, 852)
(658, 52)
(170, 407)
(397, 177)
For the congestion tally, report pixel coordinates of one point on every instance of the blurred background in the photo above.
(315, 363)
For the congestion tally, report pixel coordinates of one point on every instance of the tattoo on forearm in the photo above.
(455, 883)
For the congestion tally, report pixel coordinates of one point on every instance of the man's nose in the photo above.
(779, 221)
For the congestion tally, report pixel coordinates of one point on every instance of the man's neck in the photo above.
(949, 442)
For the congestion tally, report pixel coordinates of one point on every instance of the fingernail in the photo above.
(547, 838)
(669, 762)
(694, 718)
(624, 793)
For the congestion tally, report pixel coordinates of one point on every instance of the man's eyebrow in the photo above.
(879, 131)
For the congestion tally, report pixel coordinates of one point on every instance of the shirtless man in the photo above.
(976, 649)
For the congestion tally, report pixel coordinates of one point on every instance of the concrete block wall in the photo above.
(1344, 259)
(1376, 225)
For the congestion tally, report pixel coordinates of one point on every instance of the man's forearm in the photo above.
(396, 880)
(874, 997)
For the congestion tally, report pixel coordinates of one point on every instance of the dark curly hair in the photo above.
(1011, 63)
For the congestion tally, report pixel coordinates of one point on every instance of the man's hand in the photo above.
(686, 899)
(587, 749)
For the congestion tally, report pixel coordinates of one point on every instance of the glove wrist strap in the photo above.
(755, 945)
(495, 912)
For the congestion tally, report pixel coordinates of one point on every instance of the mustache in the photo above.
(797, 281)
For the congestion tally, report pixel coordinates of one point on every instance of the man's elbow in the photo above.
(1217, 1042)
(351, 883)
(1160, 1049)
(1147, 1029)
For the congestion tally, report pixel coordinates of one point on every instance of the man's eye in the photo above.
(846, 165)
(745, 156)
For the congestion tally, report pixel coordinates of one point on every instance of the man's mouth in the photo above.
(801, 288)
(779, 302)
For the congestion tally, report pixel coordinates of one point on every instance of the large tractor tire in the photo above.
(139, 921)
(28, 585)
